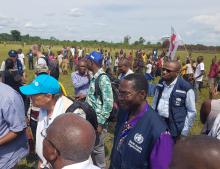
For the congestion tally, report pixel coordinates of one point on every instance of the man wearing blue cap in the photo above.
(45, 93)
(13, 55)
(101, 102)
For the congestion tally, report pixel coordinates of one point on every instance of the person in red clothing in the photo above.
(213, 72)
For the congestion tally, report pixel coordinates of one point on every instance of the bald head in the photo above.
(197, 152)
(73, 136)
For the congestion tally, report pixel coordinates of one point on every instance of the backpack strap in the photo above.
(97, 87)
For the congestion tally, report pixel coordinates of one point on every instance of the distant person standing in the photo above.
(21, 57)
(30, 60)
(80, 52)
(116, 64)
(71, 57)
(40, 58)
(124, 68)
(60, 60)
(198, 76)
(65, 61)
(213, 72)
(189, 71)
(148, 74)
(13, 141)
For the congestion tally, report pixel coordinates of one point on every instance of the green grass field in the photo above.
(66, 81)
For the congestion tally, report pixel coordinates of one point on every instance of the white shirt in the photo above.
(189, 69)
(83, 165)
(21, 58)
(149, 68)
(3, 66)
(72, 50)
(128, 73)
(43, 124)
(116, 62)
(80, 51)
(199, 68)
(163, 105)
(60, 58)
(41, 61)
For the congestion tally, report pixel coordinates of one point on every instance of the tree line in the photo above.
(15, 37)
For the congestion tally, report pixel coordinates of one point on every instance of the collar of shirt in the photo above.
(77, 72)
(82, 165)
(100, 71)
(171, 84)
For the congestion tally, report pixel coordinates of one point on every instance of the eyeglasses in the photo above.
(44, 135)
(125, 94)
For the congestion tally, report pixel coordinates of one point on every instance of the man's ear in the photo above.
(143, 94)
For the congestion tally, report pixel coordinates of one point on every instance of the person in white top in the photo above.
(36, 51)
(198, 76)
(21, 57)
(124, 68)
(73, 51)
(69, 142)
(45, 93)
(80, 52)
(148, 74)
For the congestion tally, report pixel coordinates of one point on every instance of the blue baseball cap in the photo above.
(12, 53)
(42, 84)
(95, 57)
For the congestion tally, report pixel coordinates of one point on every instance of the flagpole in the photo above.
(185, 49)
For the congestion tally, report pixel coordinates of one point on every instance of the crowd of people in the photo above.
(69, 132)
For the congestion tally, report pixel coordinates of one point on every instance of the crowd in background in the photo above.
(69, 132)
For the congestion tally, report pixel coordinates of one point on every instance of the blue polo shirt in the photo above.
(12, 118)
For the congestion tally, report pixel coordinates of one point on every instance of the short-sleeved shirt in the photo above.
(12, 118)
(199, 68)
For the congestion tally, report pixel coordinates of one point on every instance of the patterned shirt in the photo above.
(102, 106)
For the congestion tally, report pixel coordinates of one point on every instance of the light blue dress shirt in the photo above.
(163, 105)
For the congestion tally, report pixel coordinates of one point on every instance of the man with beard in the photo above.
(142, 140)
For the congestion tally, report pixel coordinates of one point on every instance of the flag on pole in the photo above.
(175, 41)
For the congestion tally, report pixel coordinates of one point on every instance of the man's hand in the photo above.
(99, 129)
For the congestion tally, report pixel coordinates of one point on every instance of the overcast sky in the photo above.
(197, 21)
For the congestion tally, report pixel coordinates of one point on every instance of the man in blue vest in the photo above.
(142, 140)
(174, 100)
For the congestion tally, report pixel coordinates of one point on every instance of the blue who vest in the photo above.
(135, 152)
(177, 105)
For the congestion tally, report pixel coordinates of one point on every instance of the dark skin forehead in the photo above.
(174, 66)
(82, 63)
(123, 62)
(72, 129)
(126, 86)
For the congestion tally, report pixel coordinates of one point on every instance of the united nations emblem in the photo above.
(138, 138)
